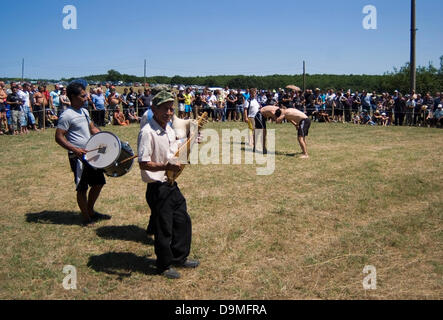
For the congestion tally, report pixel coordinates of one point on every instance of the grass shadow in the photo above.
(278, 153)
(55, 217)
(122, 264)
(128, 233)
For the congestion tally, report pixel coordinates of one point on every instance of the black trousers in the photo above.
(399, 118)
(170, 223)
(100, 114)
(38, 115)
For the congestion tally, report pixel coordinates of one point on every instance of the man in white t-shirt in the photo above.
(28, 117)
(251, 109)
(212, 103)
(25, 105)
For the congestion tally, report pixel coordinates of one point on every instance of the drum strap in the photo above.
(87, 118)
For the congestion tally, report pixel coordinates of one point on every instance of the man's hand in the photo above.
(173, 167)
(79, 152)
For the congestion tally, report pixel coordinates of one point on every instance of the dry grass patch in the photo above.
(366, 196)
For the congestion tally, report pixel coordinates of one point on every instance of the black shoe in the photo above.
(171, 273)
(98, 216)
(189, 264)
(88, 223)
(149, 232)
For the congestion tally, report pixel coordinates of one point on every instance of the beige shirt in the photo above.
(156, 144)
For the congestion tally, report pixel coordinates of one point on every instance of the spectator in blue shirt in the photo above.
(98, 101)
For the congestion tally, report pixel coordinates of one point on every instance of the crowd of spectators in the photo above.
(330, 106)
(25, 107)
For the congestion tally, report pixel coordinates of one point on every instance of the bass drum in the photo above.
(120, 169)
(108, 153)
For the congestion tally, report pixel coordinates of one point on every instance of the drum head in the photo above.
(110, 150)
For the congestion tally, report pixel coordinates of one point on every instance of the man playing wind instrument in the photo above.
(170, 222)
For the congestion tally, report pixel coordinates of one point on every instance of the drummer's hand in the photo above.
(79, 152)
(173, 167)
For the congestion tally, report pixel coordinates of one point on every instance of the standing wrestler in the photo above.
(169, 222)
(301, 122)
(73, 132)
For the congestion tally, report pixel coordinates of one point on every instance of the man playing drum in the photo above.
(170, 222)
(73, 132)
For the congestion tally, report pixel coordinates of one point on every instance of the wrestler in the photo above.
(296, 117)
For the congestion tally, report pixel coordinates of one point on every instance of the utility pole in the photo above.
(304, 76)
(413, 59)
(23, 69)
(144, 75)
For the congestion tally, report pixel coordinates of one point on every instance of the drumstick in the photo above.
(129, 159)
(101, 149)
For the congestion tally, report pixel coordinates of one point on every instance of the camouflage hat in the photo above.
(162, 97)
(159, 88)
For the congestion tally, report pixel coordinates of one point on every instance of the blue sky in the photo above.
(214, 37)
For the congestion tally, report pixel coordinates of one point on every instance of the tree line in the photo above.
(429, 78)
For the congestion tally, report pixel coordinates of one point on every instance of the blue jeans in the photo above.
(224, 113)
(15, 115)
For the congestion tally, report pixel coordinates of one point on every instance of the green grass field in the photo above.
(368, 196)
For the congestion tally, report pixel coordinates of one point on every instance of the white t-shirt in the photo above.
(212, 101)
(24, 96)
(253, 108)
(76, 123)
(330, 97)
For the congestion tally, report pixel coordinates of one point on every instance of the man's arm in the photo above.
(245, 111)
(294, 123)
(93, 129)
(61, 140)
(13, 103)
(280, 119)
(156, 166)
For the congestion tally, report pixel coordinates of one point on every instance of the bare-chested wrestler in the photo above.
(39, 103)
(296, 117)
(113, 102)
(3, 119)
